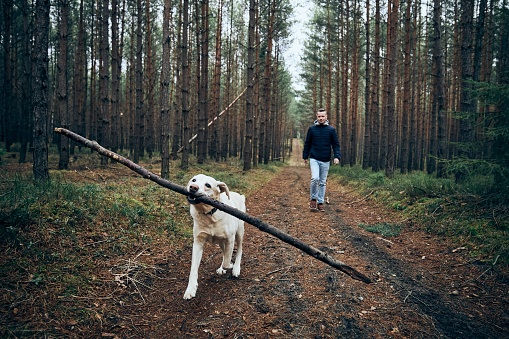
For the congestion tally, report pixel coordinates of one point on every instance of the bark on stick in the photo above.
(262, 226)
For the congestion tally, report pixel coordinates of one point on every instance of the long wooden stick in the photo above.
(262, 226)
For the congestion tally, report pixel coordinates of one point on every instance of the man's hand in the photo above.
(305, 161)
(336, 161)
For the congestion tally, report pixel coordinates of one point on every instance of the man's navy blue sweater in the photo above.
(318, 143)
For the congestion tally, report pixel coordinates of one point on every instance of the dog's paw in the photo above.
(236, 271)
(190, 293)
(221, 270)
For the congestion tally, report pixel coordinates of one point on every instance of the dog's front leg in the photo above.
(192, 286)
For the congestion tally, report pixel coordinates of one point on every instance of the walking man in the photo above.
(320, 138)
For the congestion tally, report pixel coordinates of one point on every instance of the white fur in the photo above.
(219, 227)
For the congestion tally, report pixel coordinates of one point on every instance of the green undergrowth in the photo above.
(65, 212)
(469, 213)
(383, 228)
(68, 237)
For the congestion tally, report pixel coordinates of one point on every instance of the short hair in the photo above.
(321, 110)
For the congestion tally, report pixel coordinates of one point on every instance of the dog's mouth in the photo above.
(191, 200)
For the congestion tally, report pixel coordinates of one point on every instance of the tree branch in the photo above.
(262, 226)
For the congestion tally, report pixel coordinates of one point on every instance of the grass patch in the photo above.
(385, 229)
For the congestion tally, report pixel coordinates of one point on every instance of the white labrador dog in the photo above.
(214, 226)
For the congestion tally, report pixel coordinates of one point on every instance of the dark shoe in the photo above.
(321, 208)
(312, 205)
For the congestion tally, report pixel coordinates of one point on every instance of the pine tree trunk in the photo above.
(26, 96)
(104, 79)
(139, 146)
(186, 78)
(413, 142)
(384, 104)
(367, 91)
(328, 89)
(131, 97)
(375, 95)
(203, 92)
(264, 128)
(433, 128)
(7, 114)
(418, 162)
(165, 92)
(257, 97)
(215, 144)
(466, 136)
(479, 37)
(224, 137)
(248, 143)
(79, 77)
(438, 104)
(407, 92)
(40, 94)
(344, 140)
(149, 82)
(391, 88)
(62, 97)
(177, 100)
(115, 77)
(354, 91)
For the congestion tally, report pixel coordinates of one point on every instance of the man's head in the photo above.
(321, 116)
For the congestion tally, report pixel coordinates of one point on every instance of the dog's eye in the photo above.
(194, 180)
(208, 185)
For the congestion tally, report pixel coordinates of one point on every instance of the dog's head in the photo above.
(202, 184)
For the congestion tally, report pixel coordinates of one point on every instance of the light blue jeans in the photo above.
(319, 172)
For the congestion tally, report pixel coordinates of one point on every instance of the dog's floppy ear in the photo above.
(223, 188)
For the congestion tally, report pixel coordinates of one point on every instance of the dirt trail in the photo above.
(421, 288)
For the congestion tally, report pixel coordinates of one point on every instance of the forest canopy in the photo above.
(409, 85)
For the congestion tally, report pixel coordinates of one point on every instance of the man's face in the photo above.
(321, 117)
